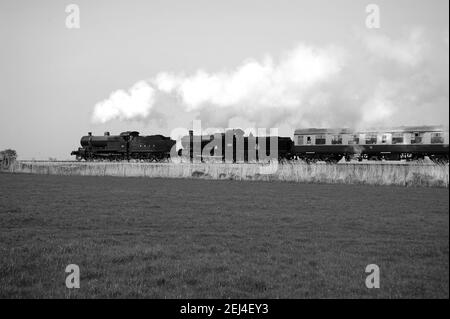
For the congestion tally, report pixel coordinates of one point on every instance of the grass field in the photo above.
(188, 238)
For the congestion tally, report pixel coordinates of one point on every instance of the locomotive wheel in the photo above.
(311, 160)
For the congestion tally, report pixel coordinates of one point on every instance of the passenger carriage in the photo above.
(406, 142)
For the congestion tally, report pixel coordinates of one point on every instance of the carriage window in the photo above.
(300, 140)
(371, 138)
(397, 138)
(384, 139)
(354, 139)
(320, 139)
(416, 138)
(308, 140)
(437, 138)
(336, 139)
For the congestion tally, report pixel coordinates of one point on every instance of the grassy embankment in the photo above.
(414, 174)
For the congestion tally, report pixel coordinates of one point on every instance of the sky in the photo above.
(153, 66)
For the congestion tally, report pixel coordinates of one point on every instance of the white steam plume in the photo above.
(255, 84)
(136, 103)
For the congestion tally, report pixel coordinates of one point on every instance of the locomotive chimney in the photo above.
(106, 133)
(89, 133)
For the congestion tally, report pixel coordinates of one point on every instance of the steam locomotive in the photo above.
(128, 145)
(233, 146)
(311, 145)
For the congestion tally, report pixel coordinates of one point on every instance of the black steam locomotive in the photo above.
(311, 145)
(233, 146)
(126, 146)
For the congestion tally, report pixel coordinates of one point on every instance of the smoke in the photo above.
(136, 103)
(381, 81)
(408, 51)
(255, 84)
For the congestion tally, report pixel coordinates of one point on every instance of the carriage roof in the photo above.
(423, 128)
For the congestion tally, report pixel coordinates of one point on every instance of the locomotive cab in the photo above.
(129, 135)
